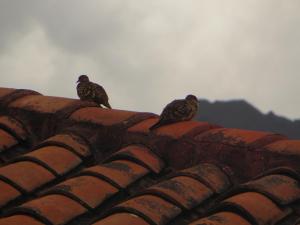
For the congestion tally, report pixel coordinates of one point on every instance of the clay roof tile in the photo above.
(260, 208)
(53, 209)
(151, 208)
(20, 219)
(140, 154)
(87, 190)
(121, 173)
(222, 218)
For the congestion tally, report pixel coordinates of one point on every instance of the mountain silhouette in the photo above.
(243, 115)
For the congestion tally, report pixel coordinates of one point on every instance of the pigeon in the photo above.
(89, 91)
(178, 110)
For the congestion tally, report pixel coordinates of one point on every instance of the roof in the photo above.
(65, 161)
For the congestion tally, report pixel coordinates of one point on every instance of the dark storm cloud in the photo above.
(148, 52)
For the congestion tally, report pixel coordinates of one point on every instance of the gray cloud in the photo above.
(146, 53)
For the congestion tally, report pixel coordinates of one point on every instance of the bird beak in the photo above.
(77, 81)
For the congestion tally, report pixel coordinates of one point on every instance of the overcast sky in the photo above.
(149, 52)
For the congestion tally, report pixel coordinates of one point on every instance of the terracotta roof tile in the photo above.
(140, 154)
(56, 209)
(282, 189)
(101, 116)
(27, 175)
(122, 218)
(180, 129)
(259, 207)
(222, 218)
(7, 193)
(20, 220)
(151, 208)
(42, 104)
(120, 172)
(285, 147)
(70, 141)
(185, 191)
(5, 91)
(238, 137)
(14, 127)
(90, 190)
(6, 141)
(143, 127)
(210, 175)
(58, 159)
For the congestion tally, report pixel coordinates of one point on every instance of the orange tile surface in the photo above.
(282, 189)
(143, 127)
(7, 193)
(232, 136)
(6, 91)
(6, 140)
(101, 116)
(58, 209)
(91, 190)
(260, 207)
(222, 218)
(213, 175)
(285, 147)
(155, 208)
(143, 154)
(59, 159)
(185, 190)
(122, 219)
(43, 104)
(72, 141)
(28, 175)
(19, 220)
(14, 126)
(179, 129)
(121, 172)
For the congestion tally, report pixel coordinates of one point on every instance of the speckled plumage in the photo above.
(178, 110)
(89, 91)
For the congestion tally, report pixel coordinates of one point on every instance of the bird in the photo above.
(89, 91)
(178, 110)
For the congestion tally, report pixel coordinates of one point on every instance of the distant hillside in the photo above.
(241, 114)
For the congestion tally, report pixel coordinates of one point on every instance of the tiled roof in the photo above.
(65, 161)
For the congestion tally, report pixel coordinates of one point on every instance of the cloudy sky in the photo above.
(148, 52)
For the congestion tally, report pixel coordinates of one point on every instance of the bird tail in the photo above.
(107, 105)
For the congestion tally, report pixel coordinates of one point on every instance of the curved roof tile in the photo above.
(90, 190)
(282, 189)
(124, 218)
(6, 141)
(119, 172)
(42, 104)
(20, 219)
(140, 154)
(222, 218)
(151, 208)
(187, 192)
(58, 159)
(258, 206)
(26, 175)
(55, 209)
(101, 116)
(71, 141)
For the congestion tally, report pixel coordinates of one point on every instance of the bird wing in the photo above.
(99, 92)
(177, 110)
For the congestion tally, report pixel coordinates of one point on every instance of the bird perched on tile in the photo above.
(89, 91)
(178, 110)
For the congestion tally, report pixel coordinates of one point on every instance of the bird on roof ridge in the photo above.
(178, 110)
(89, 91)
